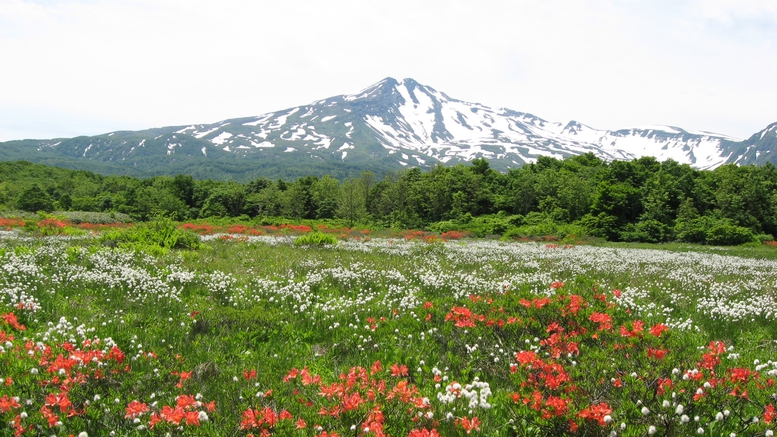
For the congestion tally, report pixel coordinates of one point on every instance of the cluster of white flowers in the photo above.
(475, 394)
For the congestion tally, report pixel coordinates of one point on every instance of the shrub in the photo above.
(728, 234)
(648, 231)
(315, 239)
(159, 233)
(708, 230)
(602, 225)
(694, 230)
(547, 229)
(34, 199)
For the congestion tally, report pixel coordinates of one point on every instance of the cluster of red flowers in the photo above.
(202, 229)
(63, 367)
(10, 222)
(359, 393)
(453, 235)
(297, 228)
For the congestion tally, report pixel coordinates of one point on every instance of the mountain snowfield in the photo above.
(389, 125)
(418, 125)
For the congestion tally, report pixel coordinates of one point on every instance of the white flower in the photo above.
(651, 430)
(719, 416)
(203, 416)
(679, 409)
(83, 434)
(645, 411)
(700, 431)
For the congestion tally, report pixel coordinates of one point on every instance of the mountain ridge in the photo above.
(389, 125)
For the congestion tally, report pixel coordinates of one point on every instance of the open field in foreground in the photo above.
(254, 335)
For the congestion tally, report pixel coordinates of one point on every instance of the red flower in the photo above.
(185, 401)
(469, 424)
(769, 414)
(193, 418)
(658, 329)
(135, 409)
(8, 403)
(398, 370)
(596, 412)
(604, 320)
(656, 353)
(526, 357)
(173, 415)
(423, 433)
(251, 419)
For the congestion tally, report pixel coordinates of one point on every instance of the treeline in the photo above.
(642, 200)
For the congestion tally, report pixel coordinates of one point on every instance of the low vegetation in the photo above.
(271, 330)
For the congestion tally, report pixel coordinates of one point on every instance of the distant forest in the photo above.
(641, 200)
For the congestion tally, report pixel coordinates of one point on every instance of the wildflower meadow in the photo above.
(251, 334)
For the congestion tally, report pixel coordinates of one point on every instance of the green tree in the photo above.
(35, 199)
(226, 200)
(350, 204)
(325, 193)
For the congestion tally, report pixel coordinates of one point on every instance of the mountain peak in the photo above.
(397, 123)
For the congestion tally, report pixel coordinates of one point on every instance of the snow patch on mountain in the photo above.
(221, 138)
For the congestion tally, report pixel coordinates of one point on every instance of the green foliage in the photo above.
(602, 225)
(315, 239)
(727, 234)
(548, 229)
(158, 235)
(648, 231)
(708, 230)
(543, 327)
(34, 199)
(480, 226)
(641, 201)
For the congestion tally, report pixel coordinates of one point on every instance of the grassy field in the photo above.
(368, 337)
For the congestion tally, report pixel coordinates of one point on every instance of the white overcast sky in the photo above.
(85, 67)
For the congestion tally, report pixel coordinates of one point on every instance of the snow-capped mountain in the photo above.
(393, 124)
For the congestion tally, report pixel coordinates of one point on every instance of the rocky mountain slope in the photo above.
(390, 125)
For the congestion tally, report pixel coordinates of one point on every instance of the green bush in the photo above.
(480, 226)
(694, 230)
(315, 239)
(763, 238)
(726, 234)
(34, 199)
(709, 230)
(561, 231)
(647, 231)
(602, 225)
(157, 234)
